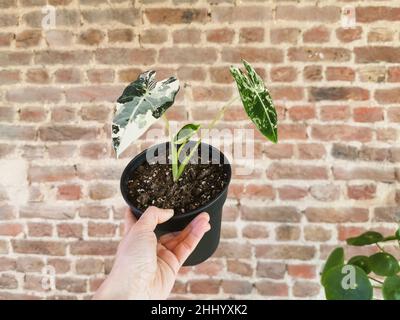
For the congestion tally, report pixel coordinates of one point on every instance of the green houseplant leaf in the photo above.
(398, 234)
(335, 259)
(369, 237)
(141, 104)
(257, 101)
(362, 262)
(185, 133)
(335, 289)
(391, 288)
(384, 264)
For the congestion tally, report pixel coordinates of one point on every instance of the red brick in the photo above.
(361, 192)
(251, 34)
(298, 113)
(372, 54)
(10, 229)
(175, 15)
(284, 35)
(153, 36)
(388, 96)
(303, 271)
(101, 229)
(204, 286)
(209, 268)
(254, 231)
(100, 75)
(232, 14)
(339, 74)
(50, 173)
(240, 268)
(95, 150)
(292, 192)
(377, 13)
(310, 54)
(349, 34)
(9, 77)
(125, 56)
(271, 55)
(278, 214)
(312, 73)
(120, 35)
(51, 248)
(278, 171)
(338, 93)
(99, 191)
(69, 192)
(187, 55)
(188, 35)
(393, 74)
(221, 35)
(317, 233)
(99, 248)
(279, 151)
(211, 93)
(364, 173)
(31, 94)
(236, 287)
(380, 35)
(287, 233)
(283, 74)
(335, 215)
(70, 284)
(6, 39)
(308, 13)
(317, 34)
(306, 289)
(89, 266)
(285, 251)
(7, 264)
(37, 76)
(334, 112)
(32, 114)
(341, 133)
(274, 289)
(325, 192)
(37, 229)
(368, 114)
(394, 114)
(69, 75)
(191, 73)
(28, 38)
(91, 37)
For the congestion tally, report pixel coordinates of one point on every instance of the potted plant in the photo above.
(181, 182)
(356, 279)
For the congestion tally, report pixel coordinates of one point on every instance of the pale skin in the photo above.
(146, 268)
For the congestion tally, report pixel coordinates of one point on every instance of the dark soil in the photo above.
(152, 185)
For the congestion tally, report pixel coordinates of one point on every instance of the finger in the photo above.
(171, 241)
(129, 220)
(186, 246)
(152, 217)
(169, 236)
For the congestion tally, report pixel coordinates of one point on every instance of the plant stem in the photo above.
(178, 170)
(380, 248)
(174, 155)
(381, 282)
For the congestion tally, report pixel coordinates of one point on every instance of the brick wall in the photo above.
(334, 173)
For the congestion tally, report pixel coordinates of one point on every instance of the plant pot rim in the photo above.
(182, 215)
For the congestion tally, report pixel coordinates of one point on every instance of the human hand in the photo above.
(144, 267)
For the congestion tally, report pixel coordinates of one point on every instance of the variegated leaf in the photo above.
(141, 104)
(257, 101)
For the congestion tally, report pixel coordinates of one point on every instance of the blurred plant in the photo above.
(356, 279)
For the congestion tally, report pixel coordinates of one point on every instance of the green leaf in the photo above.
(257, 101)
(186, 133)
(140, 105)
(366, 238)
(391, 288)
(398, 234)
(338, 284)
(362, 262)
(335, 259)
(384, 264)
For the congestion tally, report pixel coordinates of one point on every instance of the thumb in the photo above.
(152, 217)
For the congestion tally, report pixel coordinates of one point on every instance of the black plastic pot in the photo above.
(209, 243)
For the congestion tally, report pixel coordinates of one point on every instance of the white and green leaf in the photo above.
(185, 133)
(257, 101)
(141, 104)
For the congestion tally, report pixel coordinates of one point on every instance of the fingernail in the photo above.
(170, 211)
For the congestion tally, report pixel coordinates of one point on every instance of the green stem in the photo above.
(380, 248)
(174, 155)
(178, 170)
(375, 280)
